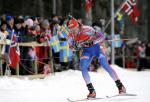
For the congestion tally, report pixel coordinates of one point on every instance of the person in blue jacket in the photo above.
(86, 38)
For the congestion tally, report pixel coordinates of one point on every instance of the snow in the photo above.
(69, 84)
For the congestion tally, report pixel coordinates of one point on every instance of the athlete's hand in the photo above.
(88, 43)
(77, 46)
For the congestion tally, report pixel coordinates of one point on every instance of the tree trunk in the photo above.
(40, 6)
(59, 7)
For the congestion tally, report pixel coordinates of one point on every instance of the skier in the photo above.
(86, 38)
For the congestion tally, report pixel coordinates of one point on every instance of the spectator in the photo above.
(147, 51)
(3, 35)
(55, 27)
(28, 55)
(10, 30)
(17, 29)
(3, 32)
(142, 57)
(35, 21)
(3, 17)
(43, 51)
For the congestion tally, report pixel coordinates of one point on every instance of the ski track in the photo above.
(69, 84)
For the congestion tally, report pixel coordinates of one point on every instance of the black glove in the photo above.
(88, 43)
(77, 46)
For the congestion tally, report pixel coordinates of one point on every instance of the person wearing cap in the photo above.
(10, 25)
(89, 40)
(11, 51)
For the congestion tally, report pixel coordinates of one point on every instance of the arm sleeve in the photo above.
(70, 41)
(99, 37)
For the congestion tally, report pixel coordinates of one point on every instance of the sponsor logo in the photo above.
(84, 57)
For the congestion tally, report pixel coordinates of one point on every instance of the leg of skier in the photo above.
(104, 63)
(85, 61)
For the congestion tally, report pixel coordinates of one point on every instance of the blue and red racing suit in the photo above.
(89, 40)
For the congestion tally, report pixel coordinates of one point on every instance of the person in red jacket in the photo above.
(89, 40)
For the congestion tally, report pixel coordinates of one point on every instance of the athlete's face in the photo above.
(74, 30)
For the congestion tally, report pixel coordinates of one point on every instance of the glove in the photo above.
(88, 43)
(77, 46)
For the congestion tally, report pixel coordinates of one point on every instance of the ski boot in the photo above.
(121, 87)
(92, 93)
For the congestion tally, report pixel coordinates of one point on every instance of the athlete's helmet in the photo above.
(72, 23)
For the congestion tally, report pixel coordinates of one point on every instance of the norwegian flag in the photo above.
(88, 5)
(14, 53)
(131, 9)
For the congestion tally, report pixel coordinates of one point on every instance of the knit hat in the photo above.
(8, 18)
(29, 22)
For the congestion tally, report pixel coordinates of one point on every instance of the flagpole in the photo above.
(118, 10)
(112, 31)
(54, 6)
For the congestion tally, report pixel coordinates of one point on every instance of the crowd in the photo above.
(40, 29)
(137, 55)
(141, 54)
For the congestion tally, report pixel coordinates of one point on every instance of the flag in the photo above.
(64, 31)
(54, 41)
(14, 53)
(88, 5)
(131, 9)
(65, 53)
(120, 21)
(65, 59)
(64, 48)
(119, 16)
(117, 41)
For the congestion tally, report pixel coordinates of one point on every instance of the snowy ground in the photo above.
(69, 84)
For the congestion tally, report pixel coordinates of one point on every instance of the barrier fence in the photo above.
(36, 61)
(125, 61)
(28, 44)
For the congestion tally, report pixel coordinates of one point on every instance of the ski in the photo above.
(123, 94)
(100, 98)
(84, 99)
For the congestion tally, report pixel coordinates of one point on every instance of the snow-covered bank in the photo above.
(69, 84)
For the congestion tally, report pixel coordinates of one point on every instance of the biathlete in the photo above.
(86, 38)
